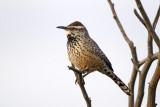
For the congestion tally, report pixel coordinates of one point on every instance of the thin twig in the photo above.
(139, 17)
(118, 22)
(150, 47)
(156, 18)
(79, 77)
(154, 57)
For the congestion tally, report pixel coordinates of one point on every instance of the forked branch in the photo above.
(136, 64)
(149, 59)
(156, 76)
(79, 77)
(133, 53)
(148, 23)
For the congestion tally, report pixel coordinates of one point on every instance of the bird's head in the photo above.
(74, 29)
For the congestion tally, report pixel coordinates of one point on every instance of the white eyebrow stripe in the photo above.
(78, 27)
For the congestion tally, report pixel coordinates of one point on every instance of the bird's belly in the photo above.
(82, 58)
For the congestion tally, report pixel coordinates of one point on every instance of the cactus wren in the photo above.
(83, 52)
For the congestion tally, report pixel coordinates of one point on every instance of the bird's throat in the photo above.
(68, 32)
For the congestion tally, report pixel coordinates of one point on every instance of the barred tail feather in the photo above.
(118, 81)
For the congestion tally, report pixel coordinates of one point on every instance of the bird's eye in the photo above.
(73, 29)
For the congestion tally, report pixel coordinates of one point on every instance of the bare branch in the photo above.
(154, 57)
(150, 44)
(118, 22)
(136, 65)
(153, 86)
(74, 69)
(148, 61)
(156, 76)
(79, 77)
(133, 52)
(130, 43)
(139, 17)
(148, 24)
(150, 47)
(131, 86)
(156, 18)
(142, 79)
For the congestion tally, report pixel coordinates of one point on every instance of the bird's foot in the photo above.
(85, 69)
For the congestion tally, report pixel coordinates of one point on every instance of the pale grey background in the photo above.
(33, 55)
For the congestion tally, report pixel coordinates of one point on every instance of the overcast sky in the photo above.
(33, 53)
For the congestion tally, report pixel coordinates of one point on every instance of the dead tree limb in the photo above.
(136, 64)
(156, 76)
(153, 86)
(141, 84)
(154, 57)
(133, 53)
(148, 62)
(139, 17)
(148, 23)
(81, 83)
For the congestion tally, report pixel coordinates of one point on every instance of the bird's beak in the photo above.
(62, 27)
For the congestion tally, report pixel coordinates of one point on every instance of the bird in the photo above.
(85, 54)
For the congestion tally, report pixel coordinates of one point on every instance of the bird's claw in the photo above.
(85, 69)
(76, 81)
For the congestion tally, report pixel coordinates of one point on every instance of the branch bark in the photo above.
(147, 61)
(79, 77)
(133, 53)
(153, 86)
(148, 23)
(150, 57)
(142, 79)
(139, 17)
(156, 76)
(154, 57)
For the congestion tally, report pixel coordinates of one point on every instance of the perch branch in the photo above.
(79, 77)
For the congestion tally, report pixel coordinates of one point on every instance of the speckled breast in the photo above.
(80, 56)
